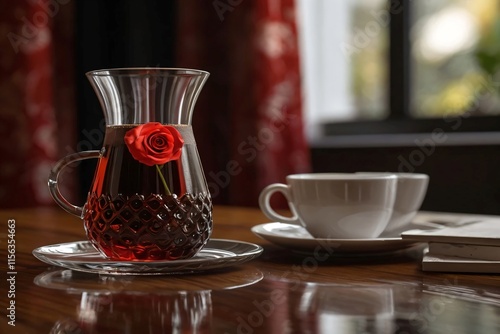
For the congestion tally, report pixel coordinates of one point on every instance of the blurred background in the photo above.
(295, 86)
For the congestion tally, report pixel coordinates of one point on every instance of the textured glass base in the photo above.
(157, 227)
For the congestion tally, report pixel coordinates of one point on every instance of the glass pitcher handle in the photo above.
(54, 175)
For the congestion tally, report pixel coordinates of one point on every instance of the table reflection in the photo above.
(181, 312)
(379, 307)
(138, 304)
(348, 309)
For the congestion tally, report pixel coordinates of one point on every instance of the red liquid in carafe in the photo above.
(130, 216)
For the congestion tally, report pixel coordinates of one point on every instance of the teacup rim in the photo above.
(399, 174)
(339, 176)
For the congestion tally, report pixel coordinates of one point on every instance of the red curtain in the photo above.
(248, 120)
(36, 95)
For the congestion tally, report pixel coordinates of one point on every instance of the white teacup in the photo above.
(335, 205)
(410, 194)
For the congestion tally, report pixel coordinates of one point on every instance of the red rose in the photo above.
(154, 143)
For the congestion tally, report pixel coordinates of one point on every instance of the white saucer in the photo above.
(82, 256)
(297, 238)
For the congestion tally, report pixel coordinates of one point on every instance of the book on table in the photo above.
(443, 263)
(466, 251)
(471, 247)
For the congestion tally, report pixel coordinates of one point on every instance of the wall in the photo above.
(462, 178)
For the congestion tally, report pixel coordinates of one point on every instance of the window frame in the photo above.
(399, 120)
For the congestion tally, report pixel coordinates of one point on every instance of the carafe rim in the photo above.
(138, 71)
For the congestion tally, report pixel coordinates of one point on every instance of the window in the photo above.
(455, 56)
(344, 52)
(400, 66)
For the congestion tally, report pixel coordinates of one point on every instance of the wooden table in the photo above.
(280, 292)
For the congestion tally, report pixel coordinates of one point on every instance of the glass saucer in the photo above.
(82, 256)
(296, 238)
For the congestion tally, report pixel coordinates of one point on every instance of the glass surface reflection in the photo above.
(348, 309)
(137, 304)
(183, 312)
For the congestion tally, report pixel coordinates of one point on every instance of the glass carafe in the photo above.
(149, 199)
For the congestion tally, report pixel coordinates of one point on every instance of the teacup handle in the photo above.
(265, 205)
(54, 175)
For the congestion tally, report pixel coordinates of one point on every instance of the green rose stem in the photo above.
(163, 180)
